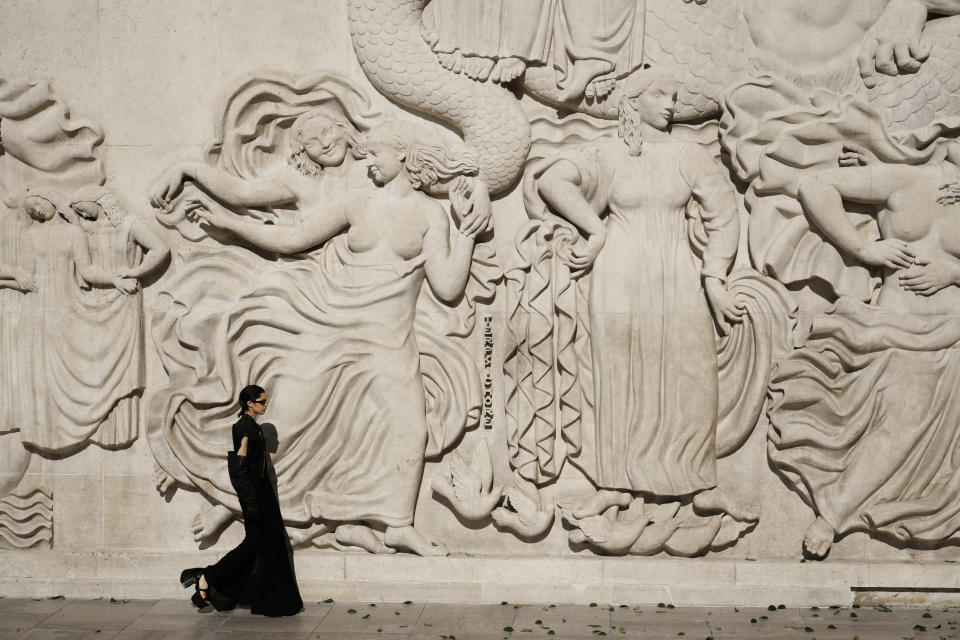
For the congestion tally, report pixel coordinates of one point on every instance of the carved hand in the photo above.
(726, 310)
(586, 251)
(168, 188)
(25, 281)
(891, 253)
(893, 45)
(853, 156)
(196, 211)
(471, 212)
(126, 285)
(124, 273)
(926, 277)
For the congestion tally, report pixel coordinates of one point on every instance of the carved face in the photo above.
(40, 209)
(656, 105)
(324, 141)
(87, 209)
(384, 161)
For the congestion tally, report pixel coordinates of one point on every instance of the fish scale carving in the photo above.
(388, 41)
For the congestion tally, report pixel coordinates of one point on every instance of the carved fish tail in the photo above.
(387, 38)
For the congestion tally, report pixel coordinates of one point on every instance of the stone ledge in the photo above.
(565, 580)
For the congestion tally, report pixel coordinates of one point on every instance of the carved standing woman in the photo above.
(653, 341)
(62, 336)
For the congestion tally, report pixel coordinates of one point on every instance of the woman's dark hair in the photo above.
(248, 394)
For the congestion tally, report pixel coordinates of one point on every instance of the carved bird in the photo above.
(469, 485)
(611, 532)
(523, 513)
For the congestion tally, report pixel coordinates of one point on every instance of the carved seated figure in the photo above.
(864, 417)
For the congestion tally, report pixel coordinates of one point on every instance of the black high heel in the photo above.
(198, 600)
(190, 577)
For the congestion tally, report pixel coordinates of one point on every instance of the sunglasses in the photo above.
(262, 402)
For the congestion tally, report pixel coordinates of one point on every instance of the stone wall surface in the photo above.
(634, 300)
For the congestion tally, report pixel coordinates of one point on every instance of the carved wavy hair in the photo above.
(949, 193)
(301, 161)
(107, 199)
(628, 127)
(426, 163)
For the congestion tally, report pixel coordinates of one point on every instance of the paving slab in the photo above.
(25, 619)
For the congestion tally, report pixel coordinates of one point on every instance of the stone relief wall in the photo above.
(711, 244)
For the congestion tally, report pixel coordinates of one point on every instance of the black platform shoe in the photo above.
(189, 577)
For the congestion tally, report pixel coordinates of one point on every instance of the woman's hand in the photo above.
(725, 309)
(471, 206)
(197, 211)
(25, 281)
(891, 253)
(852, 155)
(583, 253)
(128, 286)
(124, 273)
(926, 277)
(168, 188)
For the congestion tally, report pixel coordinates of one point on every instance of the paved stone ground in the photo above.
(76, 619)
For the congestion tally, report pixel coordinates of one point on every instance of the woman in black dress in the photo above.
(260, 569)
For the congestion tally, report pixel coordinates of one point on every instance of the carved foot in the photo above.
(477, 68)
(451, 61)
(597, 503)
(162, 480)
(507, 70)
(583, 72)
(818, 538)
(716, 500)
(209, 521)
(409, 539)
(598, 90)
(357, 535)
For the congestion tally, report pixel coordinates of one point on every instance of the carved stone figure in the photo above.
(648, 338)
(358, 415)
(710, 42)
(117, 242)
(864, 419)
(590, 45)
(64, 407)
(649, 438)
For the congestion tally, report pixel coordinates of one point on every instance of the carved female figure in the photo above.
(864, 417)
(61, 336)
(117, 242)
(342, 322)
(323, 145)
(653, 341)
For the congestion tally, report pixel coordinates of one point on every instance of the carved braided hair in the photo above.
(426, 163)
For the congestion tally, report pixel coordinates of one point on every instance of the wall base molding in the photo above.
(489, 579)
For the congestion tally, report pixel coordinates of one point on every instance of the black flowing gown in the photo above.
(260, 569)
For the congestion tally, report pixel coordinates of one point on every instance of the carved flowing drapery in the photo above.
(80, 351)
(362, 374)
(863, 422)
